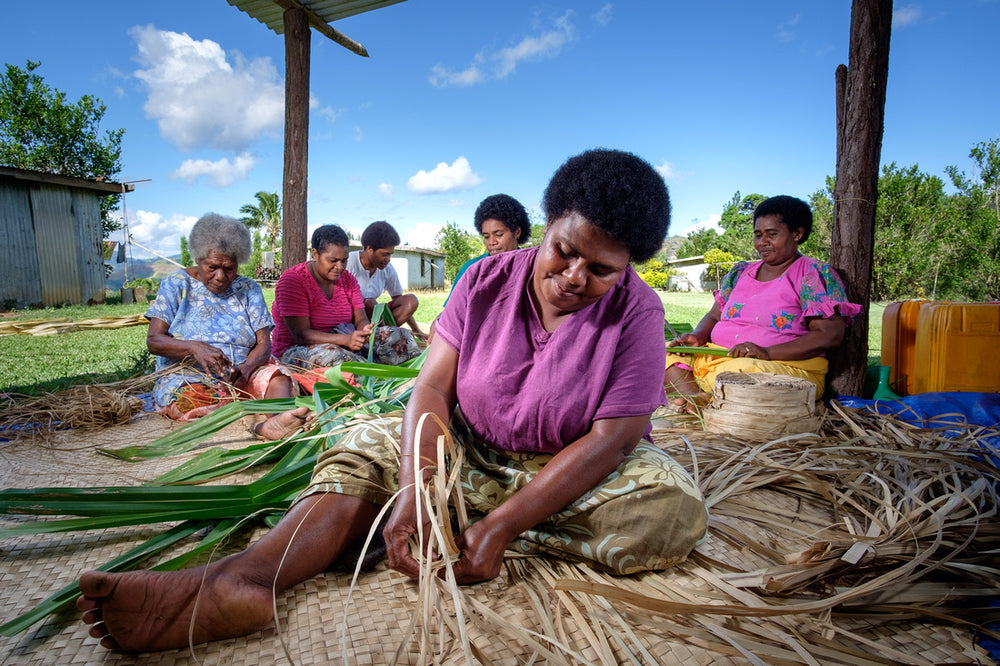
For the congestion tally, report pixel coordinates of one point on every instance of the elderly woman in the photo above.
(778, 315)
(218, 319)
(547, 367)
(503, 223)
(319, 314)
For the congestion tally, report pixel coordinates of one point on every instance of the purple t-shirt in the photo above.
(524, 389)
(776, 311)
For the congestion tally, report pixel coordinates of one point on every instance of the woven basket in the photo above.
(761, 406)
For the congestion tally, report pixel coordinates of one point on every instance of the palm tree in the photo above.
(266, 214)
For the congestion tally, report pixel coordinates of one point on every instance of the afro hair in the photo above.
(379, 235)
(508, 210)
(794, 213)
(616, 191)
(329, 234)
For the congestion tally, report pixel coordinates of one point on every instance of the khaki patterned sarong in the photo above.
(646, 515)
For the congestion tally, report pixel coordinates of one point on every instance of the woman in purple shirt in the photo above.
(547, 367)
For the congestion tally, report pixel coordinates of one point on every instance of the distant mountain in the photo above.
(139, 268)
(671, 244)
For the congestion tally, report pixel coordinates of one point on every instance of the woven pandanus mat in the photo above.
(595, 618)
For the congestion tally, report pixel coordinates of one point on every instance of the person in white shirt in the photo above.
(375, 275)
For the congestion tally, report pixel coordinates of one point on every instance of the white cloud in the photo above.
(357, 134)
(326, 112)
(698, 225)
(503, 63)
(666, 170)
(158, 233)
(444, 178)
(441, 77)
(386, 189)
(603, 15)
(423, 235)
(222, 173)
(202, 98)
(905, 16)
(785, 32)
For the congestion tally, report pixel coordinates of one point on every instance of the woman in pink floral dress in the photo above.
(778, 315)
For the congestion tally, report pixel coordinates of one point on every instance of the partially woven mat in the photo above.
(530, 594)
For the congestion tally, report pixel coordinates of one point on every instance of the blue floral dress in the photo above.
(229, 321)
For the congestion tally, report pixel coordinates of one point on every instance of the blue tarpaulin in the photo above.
(939, 410)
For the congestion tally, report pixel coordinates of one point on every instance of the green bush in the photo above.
(151, 285)
(656, 274)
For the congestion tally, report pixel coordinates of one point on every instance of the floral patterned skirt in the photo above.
(393, 345)
(193, 396)
(646, 515)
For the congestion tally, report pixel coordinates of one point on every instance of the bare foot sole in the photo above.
(145, 611)
(278, 426)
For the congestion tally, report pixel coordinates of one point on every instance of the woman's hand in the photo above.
(210, 358)
(685, 340)
(241, 376)
(401, 525)
(358, 337)
(750, 350)
(481, 546)
(823, 335)
(434, 393)
(482, 550)
(702, 333)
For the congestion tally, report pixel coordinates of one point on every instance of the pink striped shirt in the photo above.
(298, 295)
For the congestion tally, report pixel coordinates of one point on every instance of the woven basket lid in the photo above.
(761, 406)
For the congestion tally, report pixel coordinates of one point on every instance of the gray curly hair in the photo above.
(226, 235)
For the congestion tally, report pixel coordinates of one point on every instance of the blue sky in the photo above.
(460, 100)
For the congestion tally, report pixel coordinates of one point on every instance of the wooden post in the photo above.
(294, 213)
(860, 121)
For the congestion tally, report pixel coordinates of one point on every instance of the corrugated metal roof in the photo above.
(271, 12)
(35, 177)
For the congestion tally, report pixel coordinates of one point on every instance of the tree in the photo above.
(185, 252)
(458, 247)
(821, 203)
(266, 215)
(698, 242)
(860, 114)
(42, 131)
(537, 229)
(913, 241)
(719, 262)
(977, 221)
(737, 221)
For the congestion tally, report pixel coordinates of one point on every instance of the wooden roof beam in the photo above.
(316, 21)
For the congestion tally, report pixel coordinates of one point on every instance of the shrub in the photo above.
(656, 274)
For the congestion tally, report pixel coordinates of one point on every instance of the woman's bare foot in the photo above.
(277, 426)
(144, 611)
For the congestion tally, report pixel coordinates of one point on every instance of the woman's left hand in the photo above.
(241, 376)
(482, 550)
(750, 350)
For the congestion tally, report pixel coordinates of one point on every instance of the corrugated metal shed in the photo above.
(271, 12)
(50, 238)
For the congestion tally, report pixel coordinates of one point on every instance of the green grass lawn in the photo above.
(34, 364)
